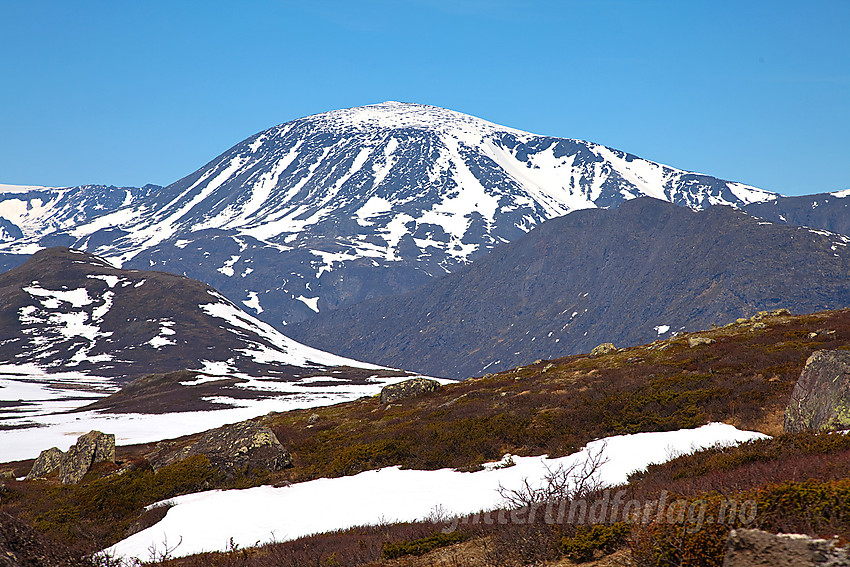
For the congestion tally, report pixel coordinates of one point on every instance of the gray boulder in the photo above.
(93, 447)
(821, 397)
(230, 449)
(698, 341)
(47, 462)
(407, 389)
(751, 548)
(603, 349)
(768, 314)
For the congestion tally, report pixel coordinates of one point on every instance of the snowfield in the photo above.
(41, 420)
(207, 521)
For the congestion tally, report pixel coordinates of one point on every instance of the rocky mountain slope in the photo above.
(628, 275)
(826, 211)
(71, 317)
(328, 210)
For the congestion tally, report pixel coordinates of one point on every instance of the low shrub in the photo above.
(99, 512)
(396, 549)
(599, 539)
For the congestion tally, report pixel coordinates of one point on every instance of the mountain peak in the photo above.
(396, 115)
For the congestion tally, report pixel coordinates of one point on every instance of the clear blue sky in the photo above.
(133, 92)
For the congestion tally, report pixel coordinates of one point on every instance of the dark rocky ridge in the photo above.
(824, 211)
(66, 310)
(622, 272)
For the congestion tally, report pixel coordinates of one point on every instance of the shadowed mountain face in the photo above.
(66, 310)
(329, 210)
(826, 211)
(626, 276)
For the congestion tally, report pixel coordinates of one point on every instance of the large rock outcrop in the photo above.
(230, 449)
(47, 462)
(407, 389)
(751, 548)
(821, 397)
(93, 447)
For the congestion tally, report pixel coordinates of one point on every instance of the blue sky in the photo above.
(127, 93)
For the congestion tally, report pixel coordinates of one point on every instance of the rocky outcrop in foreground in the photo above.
(93, 447)
(230, 449)
(407, 389)
(751, 548)
(821, 397)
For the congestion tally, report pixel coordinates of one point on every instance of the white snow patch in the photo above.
(253, 302)
(111, 281)
(76, 297)
(373, 207)
(749, 194)
(227, 268)
(311, 302)
(207, 521)
(661, 329)
(280, 348)
(165, 331)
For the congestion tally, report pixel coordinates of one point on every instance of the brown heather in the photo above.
(744, 378)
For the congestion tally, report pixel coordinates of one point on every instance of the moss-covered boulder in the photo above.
(407, 389)
(821, 396)
(230, 449)
(603, 349)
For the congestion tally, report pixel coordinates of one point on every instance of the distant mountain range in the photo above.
(329, 210)
(642, 271)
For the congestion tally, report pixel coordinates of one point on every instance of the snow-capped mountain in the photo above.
(331, 209)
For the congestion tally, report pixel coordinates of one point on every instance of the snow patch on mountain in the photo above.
(278, 348)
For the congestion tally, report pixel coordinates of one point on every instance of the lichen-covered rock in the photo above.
(771, 313)
(604, 348)
(230, 449)
(47, 462)
(91, 448)
(751, 548)
(698, 341)
(821, 397)
(407, 389)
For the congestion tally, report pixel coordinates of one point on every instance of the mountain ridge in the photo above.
(356, 203)
(624, 275)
